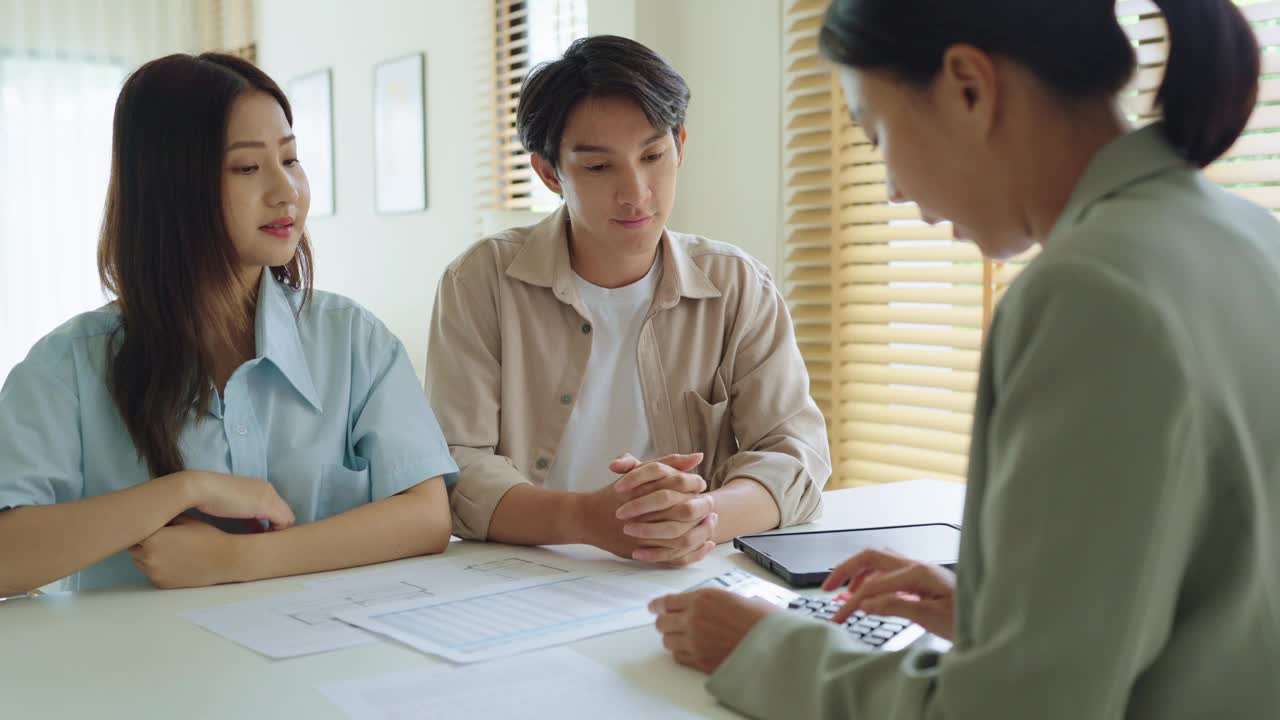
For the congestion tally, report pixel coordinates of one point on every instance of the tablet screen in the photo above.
(822, 551)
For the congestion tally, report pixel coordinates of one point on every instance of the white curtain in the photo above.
(62, 63)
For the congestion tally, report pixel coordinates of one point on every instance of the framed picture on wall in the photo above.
(311, 97)
(400, 134)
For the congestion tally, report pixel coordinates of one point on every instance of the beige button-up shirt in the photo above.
(719, 368)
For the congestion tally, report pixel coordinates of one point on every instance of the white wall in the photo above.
(612, 17)
(389, 263)
(730, 53)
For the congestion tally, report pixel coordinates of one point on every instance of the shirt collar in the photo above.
(544, 261)
(277, 339)
(1128, 159)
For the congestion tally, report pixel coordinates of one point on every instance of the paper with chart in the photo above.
(531, 688)
(302, 623)
(489, 623)
(501, 564)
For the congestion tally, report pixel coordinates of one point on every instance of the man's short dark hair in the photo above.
(595, 67)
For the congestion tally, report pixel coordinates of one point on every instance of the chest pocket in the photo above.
(710, 426)
(342, 489)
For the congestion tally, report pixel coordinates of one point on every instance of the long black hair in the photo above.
(165, 252)
(1076, 47)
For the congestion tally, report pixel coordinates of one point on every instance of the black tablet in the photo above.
(805, 559)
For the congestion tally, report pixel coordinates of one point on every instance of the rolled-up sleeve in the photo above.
(464, 380)
(393, 427)
(781, 432)
(40, 449)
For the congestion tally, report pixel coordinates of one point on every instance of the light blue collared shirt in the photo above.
(330, 412)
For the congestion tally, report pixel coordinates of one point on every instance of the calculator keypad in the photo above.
(874, 630)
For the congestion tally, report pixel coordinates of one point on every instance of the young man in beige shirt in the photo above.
(599, 344)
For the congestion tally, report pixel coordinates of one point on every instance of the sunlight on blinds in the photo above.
(891, 313)
(526, 33)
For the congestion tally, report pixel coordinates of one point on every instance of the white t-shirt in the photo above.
(608, 416)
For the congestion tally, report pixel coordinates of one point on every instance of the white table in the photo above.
(125, 653)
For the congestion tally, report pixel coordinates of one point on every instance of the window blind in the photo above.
(891, 313)
(526, 33)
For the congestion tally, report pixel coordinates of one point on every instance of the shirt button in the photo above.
(566, 399)
(542, 464)
(242, 430)
(586, 328)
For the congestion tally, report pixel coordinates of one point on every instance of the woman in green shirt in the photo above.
(1121, 555)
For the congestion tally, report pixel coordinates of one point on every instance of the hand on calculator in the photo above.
(883, 583)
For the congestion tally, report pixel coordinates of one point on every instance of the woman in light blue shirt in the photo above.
(220, 421)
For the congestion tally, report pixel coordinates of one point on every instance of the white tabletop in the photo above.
(126, 653)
